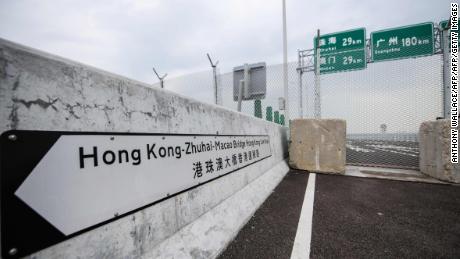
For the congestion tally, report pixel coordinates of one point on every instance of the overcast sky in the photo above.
(128, 37)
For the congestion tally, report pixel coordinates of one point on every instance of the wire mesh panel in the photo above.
(197, 85)
(275, 90)
(384, 106)
(383, 102)
(386, 101)
(200, 86)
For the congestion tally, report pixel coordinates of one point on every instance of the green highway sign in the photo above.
(342, 41)
(342, 61)
(342, 51)
(402, 42)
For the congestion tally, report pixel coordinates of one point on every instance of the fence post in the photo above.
(317, 79)
(445, 72)
(300, 93)
(285, 63)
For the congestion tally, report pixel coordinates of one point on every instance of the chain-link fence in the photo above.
(200, 86)
(269, 107)
(383, 104)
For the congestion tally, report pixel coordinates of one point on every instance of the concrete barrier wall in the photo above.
(434, 142)
(39, 91)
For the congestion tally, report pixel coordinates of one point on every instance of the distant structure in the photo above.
(383, 128)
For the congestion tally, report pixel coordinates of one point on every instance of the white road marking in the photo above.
(301, 248)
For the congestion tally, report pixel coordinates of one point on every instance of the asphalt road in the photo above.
(356, 218)
(271, 231)
(404, 154)
(371, 218)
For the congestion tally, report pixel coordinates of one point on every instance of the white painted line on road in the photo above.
(301, 248)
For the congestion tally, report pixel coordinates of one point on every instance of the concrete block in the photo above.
(434, 144)
(318, 145)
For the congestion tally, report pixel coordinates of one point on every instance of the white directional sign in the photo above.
(84, 180)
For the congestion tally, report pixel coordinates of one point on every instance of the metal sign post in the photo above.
(317, 79)
(240, 95)
(243, 86)
(300, 84)
(304, 66)
(445, 70)
(285, 65)
(249, 82)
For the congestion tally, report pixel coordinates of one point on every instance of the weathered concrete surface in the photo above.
(434, 142)
(318, 145)
(39, 91)
(230, 215)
